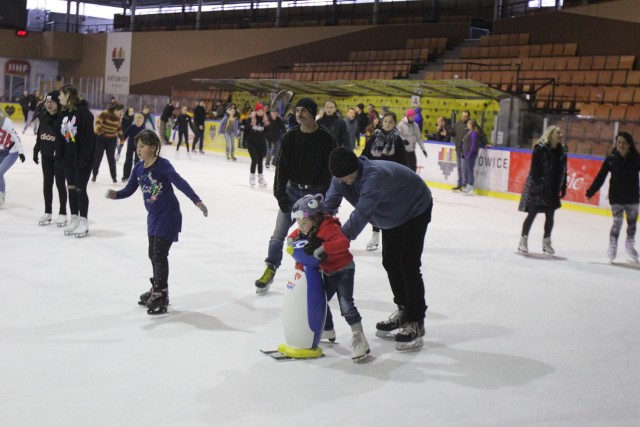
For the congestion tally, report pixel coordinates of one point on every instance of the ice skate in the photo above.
(468, 190)
(145, 296)
(546, 246)
(629, 247)
(71, 225)
(158, 302)
(264, 282)
(177, 154)
(410, 337)
(386, 328)
(201, 151)
(233, 158)
(374, 241)
(189, 155)
(457, 188)
(359, 347)
(261, 180)
(228, 156)
(523, 246)
(45, 219)
(83, 227)
(613, 248)
(252, 179)
(61, 221)
(328, 335)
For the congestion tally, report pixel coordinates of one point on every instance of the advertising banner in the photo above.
(492, 170)
(118, 64)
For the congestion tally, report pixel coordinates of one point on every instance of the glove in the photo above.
(36, 160)
(22, 157)
(110, 194)
(312, 244)
(203, 208)
(425, 153)
(284, 203)
(320, 253)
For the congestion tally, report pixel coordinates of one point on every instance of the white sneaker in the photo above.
(546, 246)
(72, 224)
(523, 245)
(62, 220)
(359, 346)
(45, 219)
(630, 249)
(252, 179)
(261, 180)
(83, 227)
(374, 242)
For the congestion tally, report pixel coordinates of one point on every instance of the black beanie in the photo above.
(343, 162)
(308, 104)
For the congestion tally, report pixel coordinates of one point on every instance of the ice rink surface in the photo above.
(510, 340)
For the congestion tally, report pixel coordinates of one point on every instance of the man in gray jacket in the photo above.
(459, 131)
(410, 132)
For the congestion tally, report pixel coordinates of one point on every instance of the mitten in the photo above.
(319, 253)
(203, 208)
(312, 244)
(22, 157)
(110, 194)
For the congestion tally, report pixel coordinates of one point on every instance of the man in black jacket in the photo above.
(164, 118)
(199, 116)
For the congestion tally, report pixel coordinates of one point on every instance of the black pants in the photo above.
(159, 256)
(51, 171)
(198, 136)
(412, 160)
(257, 157)
(131, 157)
(548, 222)
(401, 257)
(77, 180)
(181, 134)
(108, 146)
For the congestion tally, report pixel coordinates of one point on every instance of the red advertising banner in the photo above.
(17, 67)
(580, 174)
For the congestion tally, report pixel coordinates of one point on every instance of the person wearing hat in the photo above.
(255, 138)
(51, 170)
(302, 168)
(410, 132)
(395, 199)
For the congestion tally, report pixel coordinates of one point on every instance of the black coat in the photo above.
(623, 186)
(547, 180)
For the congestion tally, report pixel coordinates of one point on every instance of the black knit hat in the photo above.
(54, 96)
(309, 105)
(343, 162)
(361, 106)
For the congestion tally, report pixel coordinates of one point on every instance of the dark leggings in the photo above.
(49, 172)
(130, 158)
(548, 222)
(257, 156)
(106, 145)
(77, 179)
(183, 134)
(159, 256)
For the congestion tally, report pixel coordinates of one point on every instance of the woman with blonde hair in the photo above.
(545, 186)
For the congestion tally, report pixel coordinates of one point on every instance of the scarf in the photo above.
(384, 143)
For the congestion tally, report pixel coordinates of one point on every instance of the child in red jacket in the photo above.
(327, 243)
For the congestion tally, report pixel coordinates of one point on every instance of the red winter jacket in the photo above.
(334, 242)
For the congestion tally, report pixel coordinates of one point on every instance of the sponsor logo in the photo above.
(117, 57)
(493, 162)
(9, 109)
(47, 137)
(446, 161)
(297, 276)
(291, 286)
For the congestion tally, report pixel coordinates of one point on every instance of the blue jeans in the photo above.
(341, 282)
(229, 146)
(462, 180)
(469, 164)
(6, 161)
(283, 224)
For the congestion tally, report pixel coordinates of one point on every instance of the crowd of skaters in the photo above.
(312, 150)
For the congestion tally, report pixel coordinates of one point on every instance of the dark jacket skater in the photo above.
(547, 180)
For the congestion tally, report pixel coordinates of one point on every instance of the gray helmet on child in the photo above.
(307, 206)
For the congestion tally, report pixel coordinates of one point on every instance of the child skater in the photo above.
(183, 123)
(624, 165)
(10, 150)
(129, 134)
(327, 243)
(154, 175)
(51, 169)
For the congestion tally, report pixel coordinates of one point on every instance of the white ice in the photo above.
(510, 340)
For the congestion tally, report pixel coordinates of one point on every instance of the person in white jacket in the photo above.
(10, 150)
(410, 132)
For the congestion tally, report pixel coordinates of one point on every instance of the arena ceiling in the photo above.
(452, 89)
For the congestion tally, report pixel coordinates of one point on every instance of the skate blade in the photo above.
(410, 346)
(81, 235)
(263, 291)
(44, 222)
(61, 224)
(372, 248)
(157, 312)
(386, 335)
(362, 359)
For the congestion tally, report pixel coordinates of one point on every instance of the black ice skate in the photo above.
(410, 337)
(145, 297)
(386, 328)
(158, 302)
(264, 282)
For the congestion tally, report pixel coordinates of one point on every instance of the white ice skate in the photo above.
(359, 347)
(72, 224)
(189, 155)
(261, 180)
(629, 247)
(523, 245)
(374, 242)
(45, 219)
(468, 190)
(61, 221)
(83, 227)
(252, 179)
(329, 335)
(546, 246)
